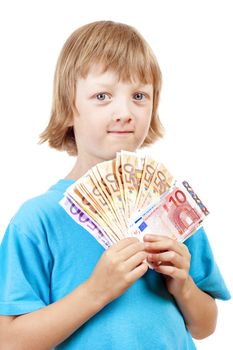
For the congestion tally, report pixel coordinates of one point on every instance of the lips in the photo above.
(120, 132)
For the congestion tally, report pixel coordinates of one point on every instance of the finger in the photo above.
(135, 260)
(158, 238)
(153, 237)
(130, 250)
(164, 244)
(123, 243)
(171, 271)
(137, 272)
(168, 257)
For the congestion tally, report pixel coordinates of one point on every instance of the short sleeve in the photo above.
(25, 267)
(204, 269)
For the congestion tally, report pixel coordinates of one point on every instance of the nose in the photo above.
(122, 118)
(122, 114)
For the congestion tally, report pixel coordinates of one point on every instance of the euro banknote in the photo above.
(130, 196)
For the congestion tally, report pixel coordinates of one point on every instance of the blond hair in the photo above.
(116, 46)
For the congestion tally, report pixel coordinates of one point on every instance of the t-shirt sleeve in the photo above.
(25, 267)
(204, 269)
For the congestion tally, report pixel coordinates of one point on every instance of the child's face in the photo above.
(111, 115)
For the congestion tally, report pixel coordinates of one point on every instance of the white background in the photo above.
(193, 43)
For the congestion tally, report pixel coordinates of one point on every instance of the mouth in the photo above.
(120, 132)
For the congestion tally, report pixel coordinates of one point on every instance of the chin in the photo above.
(109, 151)
(130, 148)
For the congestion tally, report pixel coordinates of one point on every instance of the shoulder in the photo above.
(36, 207)
(36, 214)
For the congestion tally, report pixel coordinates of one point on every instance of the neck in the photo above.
(81, 166)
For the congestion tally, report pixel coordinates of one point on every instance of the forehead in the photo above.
(98, 76)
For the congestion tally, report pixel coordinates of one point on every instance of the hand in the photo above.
(118, 268)
(170, 258)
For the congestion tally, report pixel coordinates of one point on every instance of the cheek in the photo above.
(144, 118)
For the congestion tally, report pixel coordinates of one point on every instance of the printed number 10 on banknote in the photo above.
(178, 215)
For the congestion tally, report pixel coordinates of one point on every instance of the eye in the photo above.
(139, 96)
(101, 96)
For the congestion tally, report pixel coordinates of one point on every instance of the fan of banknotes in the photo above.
(130, 196)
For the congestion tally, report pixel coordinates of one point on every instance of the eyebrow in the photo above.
(105, 85)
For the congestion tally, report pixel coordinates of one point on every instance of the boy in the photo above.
(58, 287)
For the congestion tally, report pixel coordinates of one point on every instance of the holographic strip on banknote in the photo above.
(195, 197)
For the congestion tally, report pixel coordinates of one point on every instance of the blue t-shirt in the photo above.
(45, 254)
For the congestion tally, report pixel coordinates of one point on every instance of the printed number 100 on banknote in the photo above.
(178, 215)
